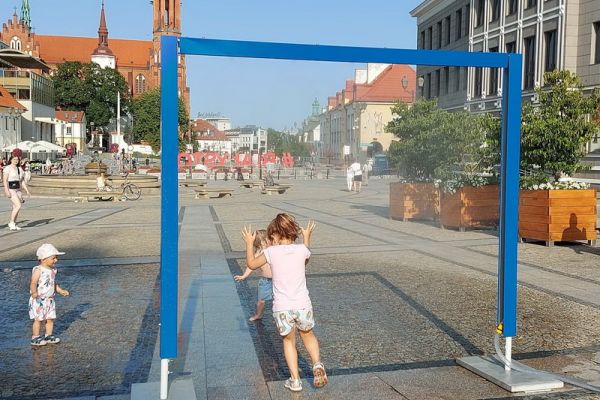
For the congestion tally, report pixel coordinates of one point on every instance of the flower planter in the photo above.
(413, 201)
(558, 215)
(470, 207)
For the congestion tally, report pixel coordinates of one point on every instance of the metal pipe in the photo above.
(164, 378)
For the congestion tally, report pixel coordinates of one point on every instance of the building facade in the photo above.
(70, 127)
(358, 115)
(551, 34)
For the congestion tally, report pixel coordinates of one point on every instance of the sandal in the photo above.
(320, 376)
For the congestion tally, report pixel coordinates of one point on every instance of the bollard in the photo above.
(327, 177)
(294, 172)
(278, 171)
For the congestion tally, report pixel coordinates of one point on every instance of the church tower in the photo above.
(102, 54)
(25, 14)
(167, 21)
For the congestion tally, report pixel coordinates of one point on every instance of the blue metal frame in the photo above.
(510, 148)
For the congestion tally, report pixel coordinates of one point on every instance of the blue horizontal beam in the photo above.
(308, 52)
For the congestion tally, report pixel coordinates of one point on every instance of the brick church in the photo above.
(137, 60)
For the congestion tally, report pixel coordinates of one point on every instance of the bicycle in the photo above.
(130, 190)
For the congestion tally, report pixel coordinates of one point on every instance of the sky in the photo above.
(267, 93)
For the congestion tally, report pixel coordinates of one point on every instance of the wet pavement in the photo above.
(395, 302)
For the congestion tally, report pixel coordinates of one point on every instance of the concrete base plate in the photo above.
(181, 389)
(514, 381)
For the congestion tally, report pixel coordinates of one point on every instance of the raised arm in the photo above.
(306, 232)
(252, 261)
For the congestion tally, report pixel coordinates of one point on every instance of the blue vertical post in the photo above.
(509, 196)
(169, 205)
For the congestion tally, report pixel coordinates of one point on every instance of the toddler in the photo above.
(42, 289)
(265, 284)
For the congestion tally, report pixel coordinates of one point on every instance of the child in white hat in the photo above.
(42, 289)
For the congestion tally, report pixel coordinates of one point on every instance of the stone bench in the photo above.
(206, 192)
(251, 184)
(193, 184)
(279, 189)
(99, 195)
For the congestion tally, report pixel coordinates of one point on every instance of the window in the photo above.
(597, 42)
(465, 76)
(468, 20)
(550, 42)
(447, 28)
(478, 83)
(495, 10)
(531, 3)
(493, 89)
(512, 6)
(5, 123)
(429, 84)
(422, 42)
(140, 83)
(529, 71)
(430, 37)
(480, 11)
(439, 35)
(15, 43)
(437, 83)
(446, 80)
(511, 47)
(69, 130)
(458, 24)
(456, 79)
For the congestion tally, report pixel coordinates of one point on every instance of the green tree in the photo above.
(554, 134)
(281, 142)
(90, 88)
(146, 119)
(432, 143)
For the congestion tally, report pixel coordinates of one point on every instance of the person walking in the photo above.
(42, 291)
(14, 180)
(292, 308)
(357, 171)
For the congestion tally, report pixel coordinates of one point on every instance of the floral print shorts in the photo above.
(287, 320)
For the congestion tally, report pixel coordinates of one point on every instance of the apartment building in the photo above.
(551, 34)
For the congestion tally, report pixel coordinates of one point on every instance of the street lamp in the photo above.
(92, 133)
(405, 83)
(421, 83)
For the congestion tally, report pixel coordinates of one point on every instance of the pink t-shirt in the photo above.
(289, 279)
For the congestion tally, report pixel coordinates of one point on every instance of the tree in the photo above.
(90, 88)
(146, 117)
(432, 142)
(554, 134)
(281, 142)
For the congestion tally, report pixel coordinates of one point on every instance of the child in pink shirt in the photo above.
(292, 307)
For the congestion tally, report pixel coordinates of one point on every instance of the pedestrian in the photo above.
(357, 171)
(42, 291)
(265, 283)
(14, 181)
(292, 308)
(25, 165)
(366, 169)
(349, 178)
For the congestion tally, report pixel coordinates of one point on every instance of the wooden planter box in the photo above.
(558, 215)
(413, 201)
(470, 207)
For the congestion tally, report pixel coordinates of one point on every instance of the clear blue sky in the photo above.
(267, 93)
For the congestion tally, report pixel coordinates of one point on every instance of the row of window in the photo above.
(512, 6)
(14, 123)
(443, 30)
(438, 82)
(435, 39)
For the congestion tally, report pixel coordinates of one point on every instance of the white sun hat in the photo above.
(47, 250)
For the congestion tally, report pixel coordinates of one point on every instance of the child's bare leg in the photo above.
(35, 329)
(291, 354)
(49, 327)
(260, 308)
(312, 345)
